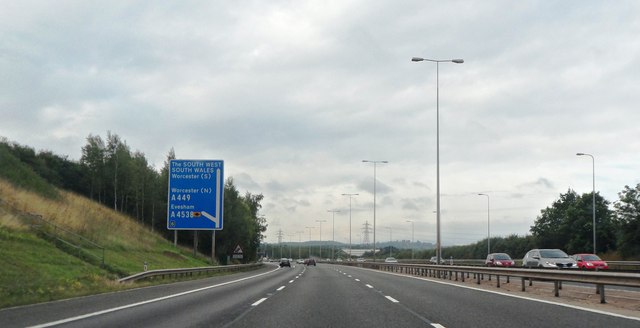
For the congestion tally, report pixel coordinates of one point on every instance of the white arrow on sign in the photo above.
(215, 219)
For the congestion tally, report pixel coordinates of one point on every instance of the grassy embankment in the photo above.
(33, 269)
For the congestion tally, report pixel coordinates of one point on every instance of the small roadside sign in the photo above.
(237, 253)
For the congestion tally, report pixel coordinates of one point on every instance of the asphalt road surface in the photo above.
(317, 296)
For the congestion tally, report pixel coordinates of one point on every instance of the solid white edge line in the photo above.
(89, 315)
(392, 299)
(510, 295)
(281, 288)
(259, 301)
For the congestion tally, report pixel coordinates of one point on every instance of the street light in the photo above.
(488, 226)
(375, 163)
(457, 61)
(390, 239)
(310, 239)
(593, 164)
(299, 242)
(412, 231)
(321, 236)
(350, 195)
(333, 232)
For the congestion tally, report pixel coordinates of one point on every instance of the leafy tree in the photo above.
(628, 215)
(93, 158)
(568, 224)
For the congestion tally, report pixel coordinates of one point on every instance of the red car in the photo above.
(590, 262)
(499, 260)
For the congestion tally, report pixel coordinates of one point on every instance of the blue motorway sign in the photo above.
(195, 194)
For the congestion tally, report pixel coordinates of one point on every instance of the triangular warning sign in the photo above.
(238, 250)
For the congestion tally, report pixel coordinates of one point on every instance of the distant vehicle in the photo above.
(548, 258)
(499, 260)
(360, 259)
(434, 260)
(390, 260)
(339, 260)
(310, 262)
(284, 262)
(590, 262)
(300, 261)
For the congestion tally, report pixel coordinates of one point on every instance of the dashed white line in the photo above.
(369, 286)
(89, 315)
(357, 279)
(259, 301)
(281, 288)
(392, 299)
(437, 325)
(291, 281)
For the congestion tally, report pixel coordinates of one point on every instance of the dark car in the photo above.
(590, 262)
(310, 262)
(499, 260)
(285, 263)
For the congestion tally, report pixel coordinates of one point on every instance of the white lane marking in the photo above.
(89, 315)
(369, 286)
(357, 279)
(392, 299)
(437, 325)
(281, 288)
(291, 281)
(510, 295)
(349, 276)
(259, 301)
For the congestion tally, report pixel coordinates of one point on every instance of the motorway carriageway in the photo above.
(318, 296)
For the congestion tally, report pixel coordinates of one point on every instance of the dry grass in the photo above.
(98, 223)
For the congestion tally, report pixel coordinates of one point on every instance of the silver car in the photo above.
(548, 258)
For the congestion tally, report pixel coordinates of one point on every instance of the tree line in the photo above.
(110, 173)
(567, 224)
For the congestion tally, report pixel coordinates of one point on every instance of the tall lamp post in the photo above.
(593, 165)
(333, 232)
(310, 239)
(375, 163)
(390, 241)
(320, 221)
(412, 230)
(350, 196)
(488, 225)
(299, 242)
(456, 61)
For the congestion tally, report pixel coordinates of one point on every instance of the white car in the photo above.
(434, 260)
(390, 260)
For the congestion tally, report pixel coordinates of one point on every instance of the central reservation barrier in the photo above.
(599, 279)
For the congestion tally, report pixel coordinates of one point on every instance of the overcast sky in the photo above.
(293, 95)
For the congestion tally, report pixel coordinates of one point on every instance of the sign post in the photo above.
(195, 195)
